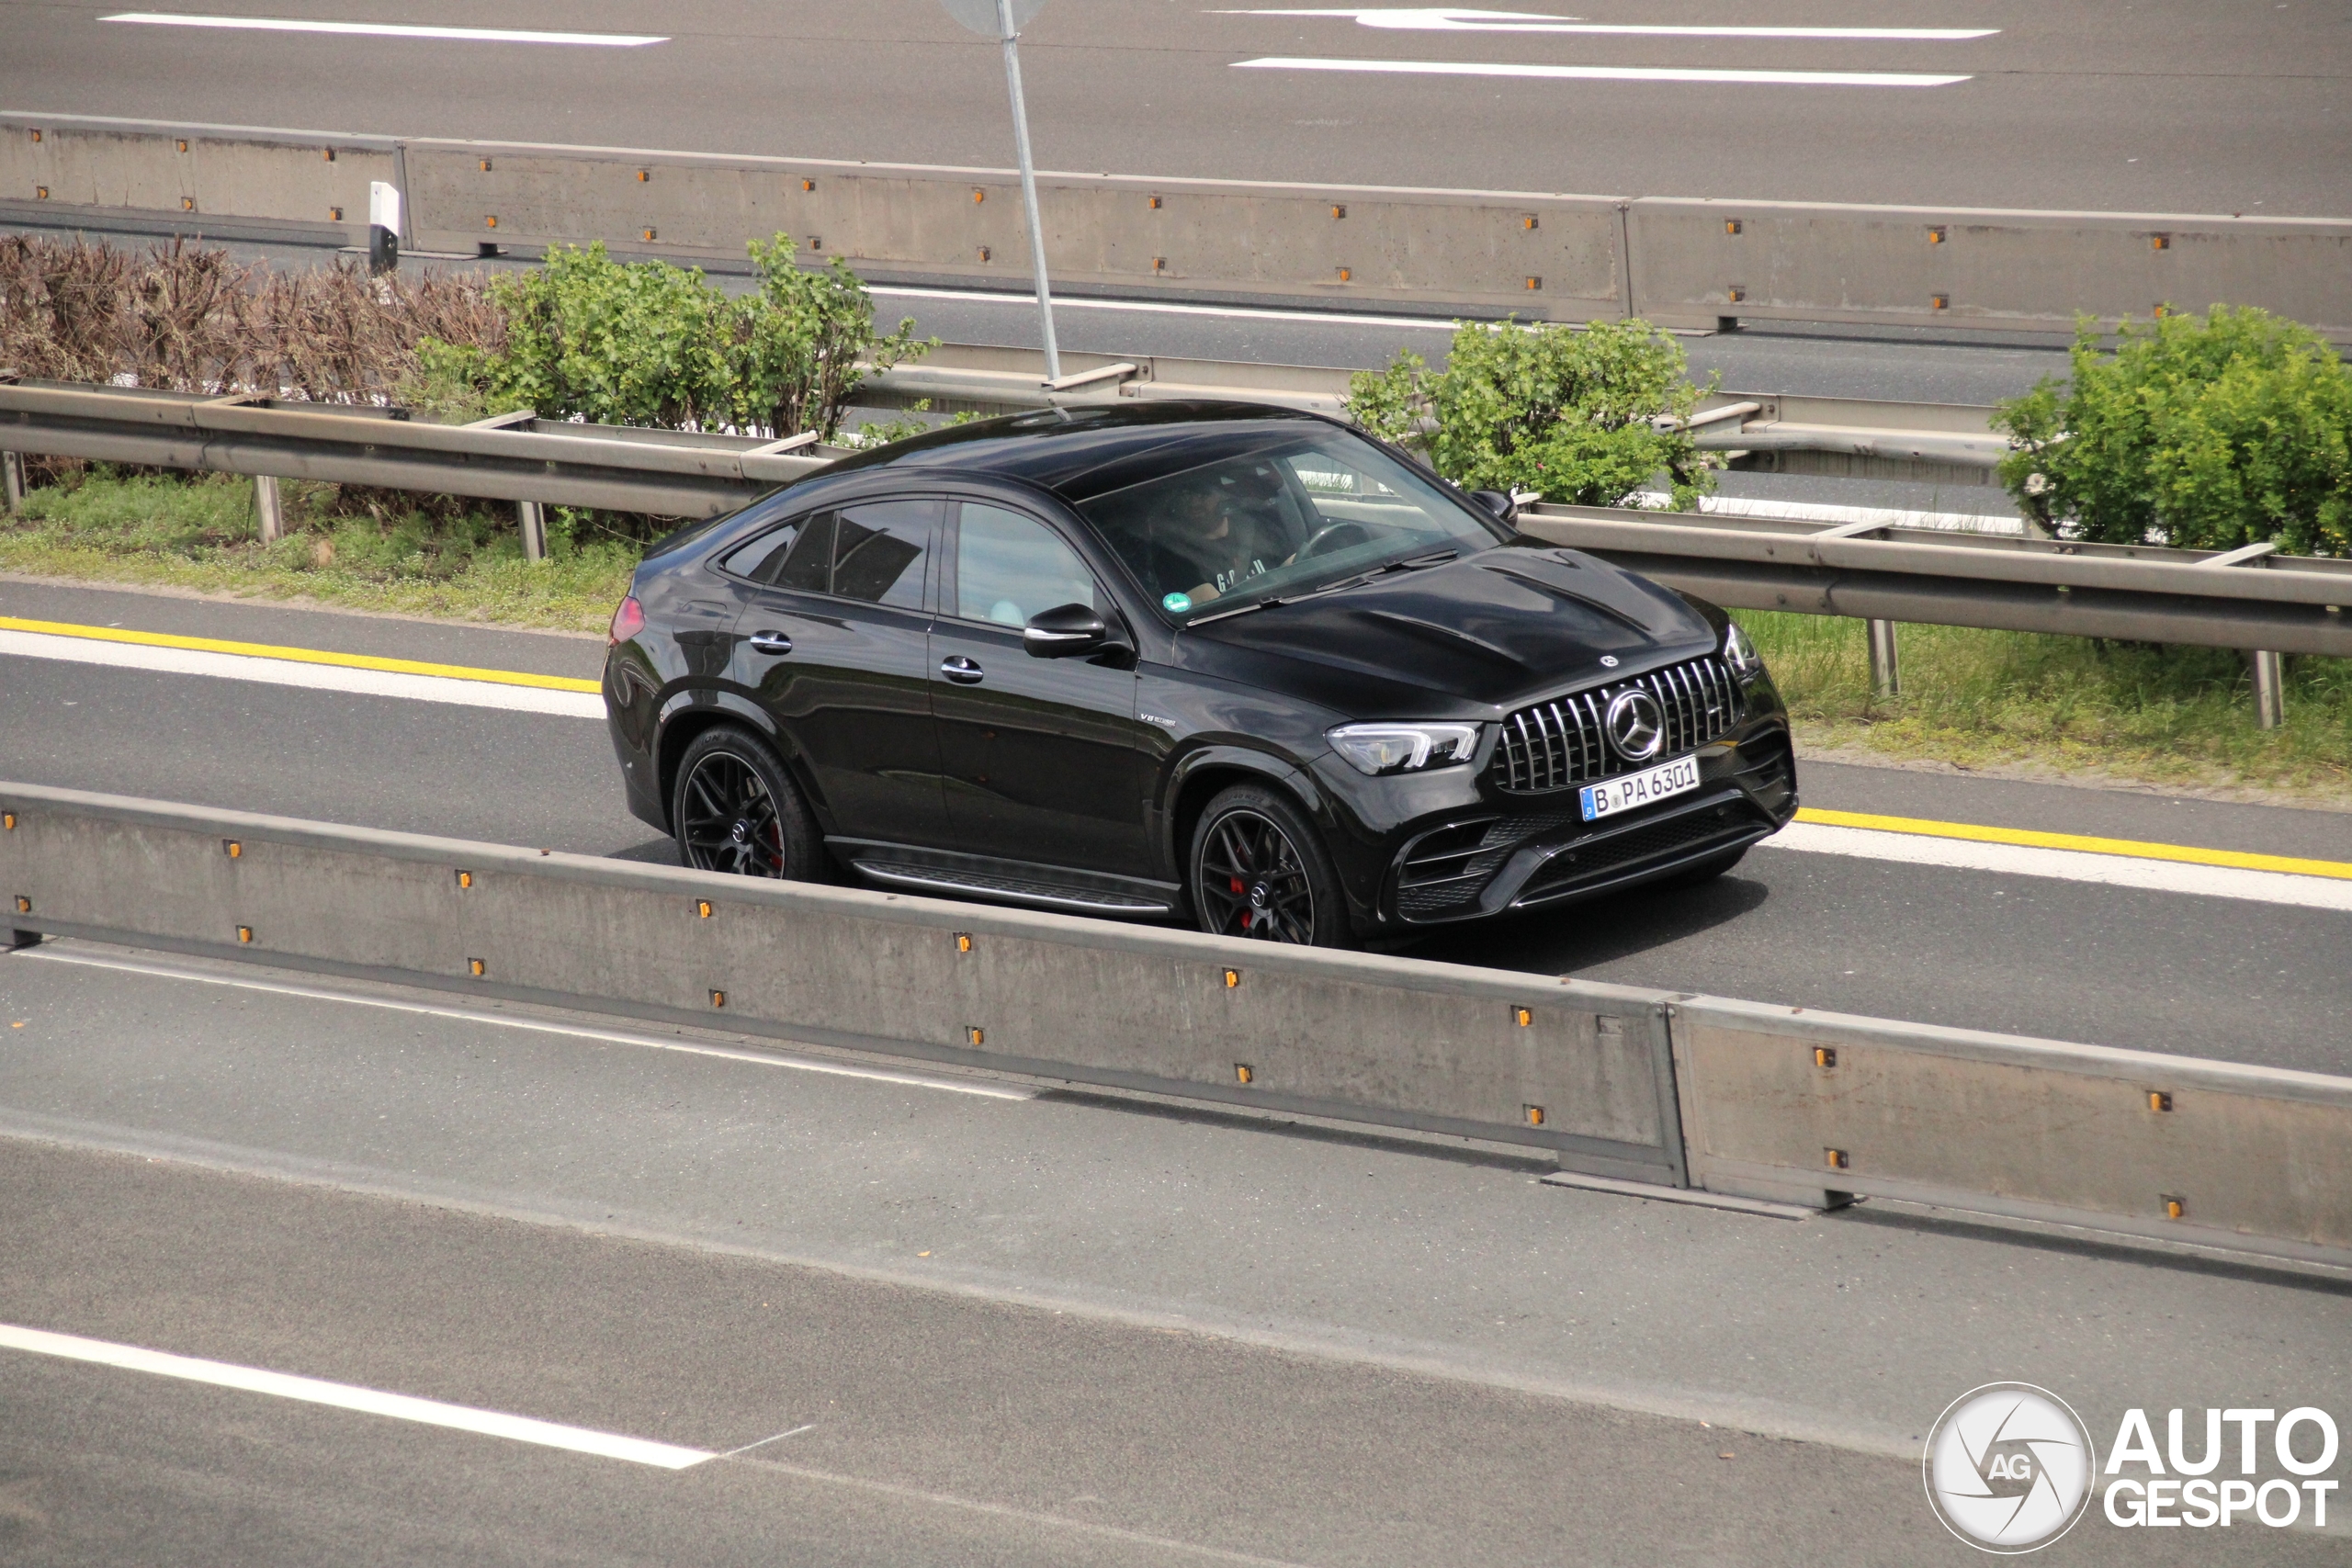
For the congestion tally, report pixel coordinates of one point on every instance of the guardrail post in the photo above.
(534, 523)
(268, 508)
(12, 480)
(2269, 689)
(1886, 674)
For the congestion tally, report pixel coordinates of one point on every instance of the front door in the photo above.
(834, 643)
(1040, 755)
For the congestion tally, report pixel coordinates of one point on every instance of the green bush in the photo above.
(2206, 433)
(1547, 408)
(650, 343)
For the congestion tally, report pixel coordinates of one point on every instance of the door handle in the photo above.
(770, 642)
(961, 670)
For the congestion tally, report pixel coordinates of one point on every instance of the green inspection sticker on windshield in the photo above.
(1176, 603)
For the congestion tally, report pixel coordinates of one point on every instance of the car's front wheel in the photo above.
(1259, 870)
(737, 810)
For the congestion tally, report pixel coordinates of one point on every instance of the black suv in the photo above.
(1218, 660)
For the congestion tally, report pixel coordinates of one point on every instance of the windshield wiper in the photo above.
(1413, 563)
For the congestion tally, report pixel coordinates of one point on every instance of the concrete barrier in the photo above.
(314, 185)
(1736, 1097)
(1578, 1070)
(1779, 1100)
(1538, 254)
(1697, 262)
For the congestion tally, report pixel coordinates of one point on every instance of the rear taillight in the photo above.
(628, 620)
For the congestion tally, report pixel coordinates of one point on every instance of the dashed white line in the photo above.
(1450, 20)
(349, 1397)
(1606, 73)
(385, 29)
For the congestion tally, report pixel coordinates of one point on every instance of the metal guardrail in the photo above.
(1678, 1090)
(672, 473)
(1676, 262)
(2257, 600)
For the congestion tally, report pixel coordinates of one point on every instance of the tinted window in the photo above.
(879, 550)
(1285, 519)
(1009, 566)
(763, 558)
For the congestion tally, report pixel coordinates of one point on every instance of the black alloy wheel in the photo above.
(737, 810)
(1258, 871)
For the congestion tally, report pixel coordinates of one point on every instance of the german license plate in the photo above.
(1612, 795)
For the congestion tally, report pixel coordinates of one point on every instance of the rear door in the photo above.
(1040, 755)
(834, 641)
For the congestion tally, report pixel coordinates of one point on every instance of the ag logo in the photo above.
(1636, 727)
(2009, 1468)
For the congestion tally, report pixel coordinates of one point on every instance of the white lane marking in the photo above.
(763, 1442)
(384, 29)
(2067, 865)
(1606, 73)
(1244, 313)
(294, 672)
(1451, 20)
(347, 1396)
(49, 954)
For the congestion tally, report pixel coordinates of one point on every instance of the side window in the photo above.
(880, 551)
(1010, 566)
(763, 558)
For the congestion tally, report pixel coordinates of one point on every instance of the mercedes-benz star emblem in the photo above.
(1636, 727)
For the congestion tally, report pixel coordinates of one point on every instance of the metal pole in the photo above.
(267, 505)
(1029, 190)
(12, 480)
(535, 529)
(1886, 674)
(2269, 690)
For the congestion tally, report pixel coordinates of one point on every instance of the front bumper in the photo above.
(1537, 851)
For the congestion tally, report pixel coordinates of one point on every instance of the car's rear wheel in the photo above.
(736, 809)
(1259, 870)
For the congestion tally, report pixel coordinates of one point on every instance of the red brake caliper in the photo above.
(1247, 915)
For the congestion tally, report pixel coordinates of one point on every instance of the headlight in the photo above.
(1402, 747)
(1740, 654)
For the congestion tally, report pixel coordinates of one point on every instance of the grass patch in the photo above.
(2164, 715)
(201, 533)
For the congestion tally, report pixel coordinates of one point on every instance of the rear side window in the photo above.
(880, 551)
(1009, 566)
(877, 553)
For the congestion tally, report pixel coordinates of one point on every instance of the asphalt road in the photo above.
(1057, 1329)
(2145, 969)
(2164, 105)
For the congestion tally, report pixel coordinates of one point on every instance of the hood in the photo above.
(1489, 630)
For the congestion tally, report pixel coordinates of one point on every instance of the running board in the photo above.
(973, 885)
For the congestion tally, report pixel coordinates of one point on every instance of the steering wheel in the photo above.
(1333, 537)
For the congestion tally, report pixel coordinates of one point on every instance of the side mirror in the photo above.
(1068, 630)
(1504, 508)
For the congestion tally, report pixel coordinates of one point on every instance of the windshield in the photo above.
(1290, 518)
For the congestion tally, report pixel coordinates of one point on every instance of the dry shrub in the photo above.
(191, 320)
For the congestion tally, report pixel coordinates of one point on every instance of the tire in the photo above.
(735, 808)
(1258, 869)
(1706, 871)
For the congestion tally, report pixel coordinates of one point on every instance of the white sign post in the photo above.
(1003, 20)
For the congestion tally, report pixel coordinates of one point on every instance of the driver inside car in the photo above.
(1233, 526)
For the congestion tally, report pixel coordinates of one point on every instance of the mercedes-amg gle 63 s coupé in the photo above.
(1217, 661)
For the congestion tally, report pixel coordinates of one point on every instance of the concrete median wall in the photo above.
(1776, 1097)
(1563, 257)
(1736, 1097)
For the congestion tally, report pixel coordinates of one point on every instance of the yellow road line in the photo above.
(301, 655)
(2137, 849)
